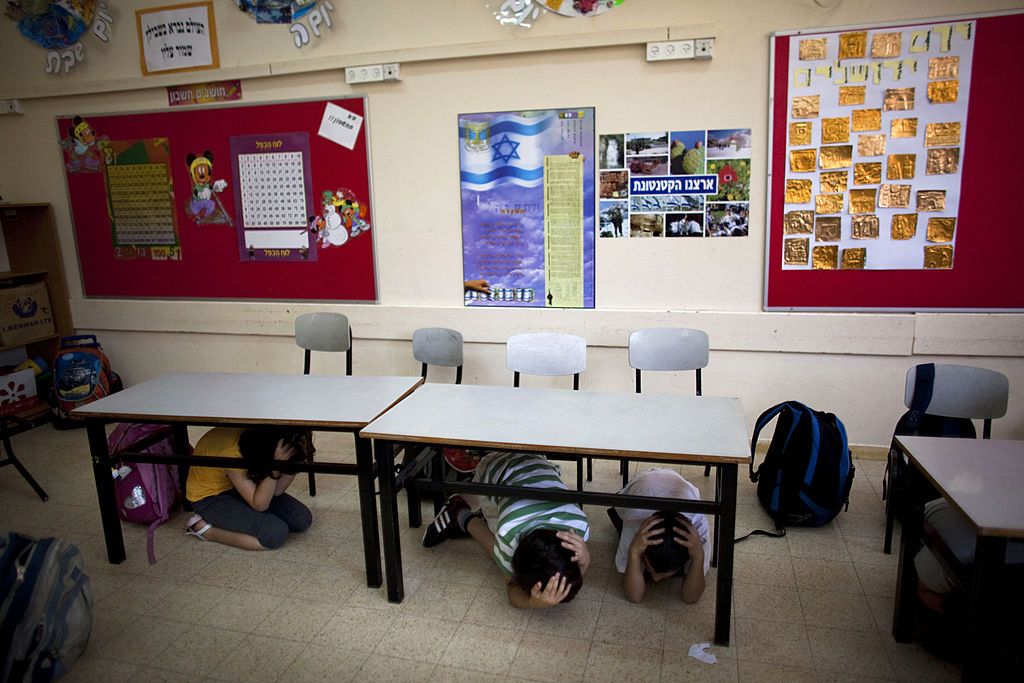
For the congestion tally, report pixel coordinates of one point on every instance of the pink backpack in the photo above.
(146, 493)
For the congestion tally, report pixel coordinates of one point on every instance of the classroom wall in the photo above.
(455, 58)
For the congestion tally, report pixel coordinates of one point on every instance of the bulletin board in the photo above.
(893, 179)
(267, 201)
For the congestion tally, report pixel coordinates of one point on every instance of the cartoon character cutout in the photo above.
(352, 212)
(328, 226)
(205, 206)
(86, 151)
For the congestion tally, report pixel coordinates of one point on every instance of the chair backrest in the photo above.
(438, 346)
(668, 349)
(324, 331)
(963, 391)
(546, 353)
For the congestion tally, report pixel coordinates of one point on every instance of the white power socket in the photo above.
(11, 107)
(368, 73)
(703, 47)
(391, 72)
(670, 49)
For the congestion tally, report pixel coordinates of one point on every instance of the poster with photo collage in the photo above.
(674, 184)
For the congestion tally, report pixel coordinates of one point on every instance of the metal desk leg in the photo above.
(179, 437)
(384, 453)
(105, 491)
(986, 585)
(727, 523)
(368, 512)
(910, 543)
(717, 540)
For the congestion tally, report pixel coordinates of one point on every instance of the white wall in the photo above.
(851, 364)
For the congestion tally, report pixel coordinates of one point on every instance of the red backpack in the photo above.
(81, 375)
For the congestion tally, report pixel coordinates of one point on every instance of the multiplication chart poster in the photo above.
(274, 190)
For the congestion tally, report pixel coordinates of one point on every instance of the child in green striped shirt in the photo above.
(539, 544)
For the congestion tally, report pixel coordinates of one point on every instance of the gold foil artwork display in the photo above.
(835, 130)
(806, 106)
(870, 145)
(867, 173)
(867, 119)
(901, 167)
(851, 95)
(903, 128)
(855, 258)
(828, 203)
(812, 49)
(853, 45)
(800, 133)
(864, 227)
(798, 191)
(942, 161)
(832, 182)
(938, 256)
(931, 200)
(903, 226)
(862, 201)
(943, 67)
(940, 229)
(798, 223)
(894, 196)
(898, 99)
(802, 160)
(943, 92)
(825, 257)
(837, 156)
(942, 134)
(795, 251)
(886, 45)
(827, 228)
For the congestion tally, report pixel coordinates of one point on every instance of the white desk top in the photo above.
(983, 478)
(306, 400)
(652, 426)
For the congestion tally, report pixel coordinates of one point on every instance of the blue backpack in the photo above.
(806, 476)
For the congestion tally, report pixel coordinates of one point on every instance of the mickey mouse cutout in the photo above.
(86, 151)
(205, 206)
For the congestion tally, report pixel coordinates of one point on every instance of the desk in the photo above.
(321, 403)
(669, 429)
(983, 480)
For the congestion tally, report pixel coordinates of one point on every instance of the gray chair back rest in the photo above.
(437, 346)
(964, 391)
(323, 332)
(546, 353)
(668, 348)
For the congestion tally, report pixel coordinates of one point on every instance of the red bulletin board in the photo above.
(989, 247)
(321, 248)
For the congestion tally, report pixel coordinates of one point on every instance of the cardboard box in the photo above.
(25, 314)
(18, 392)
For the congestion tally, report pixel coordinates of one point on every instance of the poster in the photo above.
(140, 198)
(675, 184)
(875, 126)
(527, 185)
(177, 38)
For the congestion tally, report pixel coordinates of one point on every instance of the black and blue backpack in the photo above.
(806, 475)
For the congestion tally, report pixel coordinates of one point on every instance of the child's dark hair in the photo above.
(257, 446)
(667, 556)
(538, 557)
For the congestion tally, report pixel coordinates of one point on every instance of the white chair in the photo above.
(550, 354)
(327, 332)
(438, 346)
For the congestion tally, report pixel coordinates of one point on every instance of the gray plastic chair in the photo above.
(962, 391)
(328, 332)
(438, 346)
(550, 354)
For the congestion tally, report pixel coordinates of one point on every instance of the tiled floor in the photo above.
(815, 605)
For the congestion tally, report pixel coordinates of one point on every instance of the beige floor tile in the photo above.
(641, 624)
(460, 567)
(826, 575)
(257, 658)
(139, 594)
(490, 607)
(849, 652)
(773, 642)
(550, 658)
(770, 603)
(868, 550)
(877, 580)
(241, 611)
(180, 563)
(394, 670)
(678, 665)
(482, 648)
(619, 663)
(685, 627)
(106, 625)
(141, 641)
(574, 620)
(881, 609)
(450, 674)
(189, 603)
(768, 570)
(197, 651)
(89, 669)
(762, 672)
(355, 628)
(597, 582)
(296, 620)
(867, 523)
(911, 662)
(441, 600)
(836, 610)
(152, 675)
(418, 638)
(816, 547)
(325, 664)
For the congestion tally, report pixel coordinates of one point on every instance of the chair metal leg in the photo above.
(890, 522)
(707, 470)
(312, 482)
(12, 459)
(579, 474)
(624, 471)
(590, 469)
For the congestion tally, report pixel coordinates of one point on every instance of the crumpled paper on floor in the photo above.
(697, 651)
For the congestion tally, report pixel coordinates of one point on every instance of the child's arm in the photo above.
(693, 581)
(580, 553)
(258, 496)
(633, 584)
(538, 598)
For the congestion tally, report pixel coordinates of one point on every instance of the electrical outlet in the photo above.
(368, 73)
(11, 107)
(669, 49)
(391, 72)
(703, 47)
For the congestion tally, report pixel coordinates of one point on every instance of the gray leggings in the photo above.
(229, 511)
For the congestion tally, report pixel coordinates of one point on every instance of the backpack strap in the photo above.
(763, 420)
(777, 532)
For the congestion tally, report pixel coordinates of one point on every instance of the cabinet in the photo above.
(30, 235)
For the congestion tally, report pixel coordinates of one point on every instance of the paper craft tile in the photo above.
(836, 156)
(798, 223)
(903, 226)
(802, 160)
(867, 173)
(851, 95)
(942, 161)
(795, 251)
(942, 134)
(862, 201)
(832, 182)
(943, 67)
(867, 119)
(835, 130)
(798, 191)
(898, 99)
(941, 229)
(828, 203)
(812, 49)
(894, 196)
(806, 106)
(827, 229)
(864, 227)
(870, 145)
(938, 256)
(800, 133)
(853, 45)
(931, 200)
(886, 45)
(943, 92)
(901, 167)
(855, 258)
(825, 257)
(903, 128)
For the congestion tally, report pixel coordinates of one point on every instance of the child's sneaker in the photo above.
(446, 523)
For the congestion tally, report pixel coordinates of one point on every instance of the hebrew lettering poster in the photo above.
(675, 183)
(527, 186)
(876, 121)
(177, 38)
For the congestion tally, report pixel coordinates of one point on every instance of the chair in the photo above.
(328, 332)
(12, 459)
(438, 346)
(667, 349)
(550, 354)
(959, 391)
